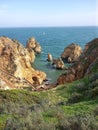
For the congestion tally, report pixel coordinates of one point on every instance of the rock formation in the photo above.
(87, 64)
(49, 57)
(32, 44)
(16, 60)
(58, 63)
(71, 53)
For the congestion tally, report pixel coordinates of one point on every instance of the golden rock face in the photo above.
(32, 44)
(72, 52)
(87, 64)
(16, 60)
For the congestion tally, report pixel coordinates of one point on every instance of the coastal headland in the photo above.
(16, 71)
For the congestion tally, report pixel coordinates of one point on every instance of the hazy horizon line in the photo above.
(48, 26)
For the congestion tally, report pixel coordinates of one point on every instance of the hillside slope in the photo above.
(69, 107)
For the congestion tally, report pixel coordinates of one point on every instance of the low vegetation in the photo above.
(69, 107)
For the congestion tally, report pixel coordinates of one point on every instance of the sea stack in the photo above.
(49, 57)
(32, 44)
(71, 53)
(58, 63)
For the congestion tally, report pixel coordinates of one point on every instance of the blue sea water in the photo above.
(53, 40)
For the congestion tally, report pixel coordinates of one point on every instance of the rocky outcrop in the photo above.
(49, 57)
(32, 44)
(16, 60)
(58, 63)
(87, 64)
(71, 53)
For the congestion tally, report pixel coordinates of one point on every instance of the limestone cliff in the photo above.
(16, 60)
(87, 64)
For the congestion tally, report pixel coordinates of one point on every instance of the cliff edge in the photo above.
(16, 60)
(86, 64)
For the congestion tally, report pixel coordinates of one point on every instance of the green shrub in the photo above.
(96, 111)
(76, 97)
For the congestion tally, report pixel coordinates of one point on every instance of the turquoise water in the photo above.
(53, 40)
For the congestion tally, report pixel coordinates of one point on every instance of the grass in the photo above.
(3, 119)
(81, 107)
(59, 109)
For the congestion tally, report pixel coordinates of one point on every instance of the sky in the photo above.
(41, 13)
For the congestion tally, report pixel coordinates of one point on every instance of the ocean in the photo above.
(53, 40)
